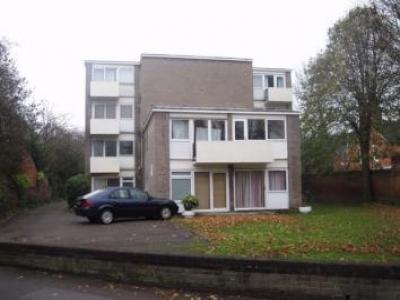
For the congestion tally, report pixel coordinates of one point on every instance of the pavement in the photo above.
(22, 284)
(53, 224)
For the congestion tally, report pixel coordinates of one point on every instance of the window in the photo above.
(139, 195)
(98, 148)
(127, 181)
(125, 147)
(201, 130)
(98, 74)
(110, 148)
(269, 81)
(257, 81)
(239, 130)
(276, 129)
(126, 111)
(105, 111)
(126, 75)
(280, 82)
(99, 110)
(217, 130)
(111, 74)
(110, 111)
(113, 182)
(256, 129)
(120, 194)
(277, 181)
(181, 185)
(180, 129)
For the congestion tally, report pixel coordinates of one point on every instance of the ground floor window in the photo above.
(277, 181)
(181, 185)
(127, 181)
(249, 189)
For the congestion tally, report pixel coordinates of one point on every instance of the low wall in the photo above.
(260, 278)
(347, 186)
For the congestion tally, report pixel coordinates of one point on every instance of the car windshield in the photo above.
(96, 192)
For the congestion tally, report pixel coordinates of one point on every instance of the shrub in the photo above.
(41, 177)
(190, 202)
(76, 186)
(23, 182)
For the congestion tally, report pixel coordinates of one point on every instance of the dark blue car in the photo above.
(123, 202)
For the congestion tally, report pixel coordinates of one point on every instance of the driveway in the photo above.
(53, 224)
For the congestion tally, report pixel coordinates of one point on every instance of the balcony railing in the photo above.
(104, 165)
(104, 89)
(273, 94)
(104, 126)
(254, 151)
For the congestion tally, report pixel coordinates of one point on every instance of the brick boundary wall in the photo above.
(272, 279)
(347, 186)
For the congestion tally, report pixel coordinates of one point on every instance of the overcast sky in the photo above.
(52, 38)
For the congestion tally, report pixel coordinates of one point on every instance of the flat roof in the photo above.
(272, 70)
(197, 57)
(112, 62)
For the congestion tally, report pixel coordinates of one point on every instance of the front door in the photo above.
(249, 189)
(202, 189)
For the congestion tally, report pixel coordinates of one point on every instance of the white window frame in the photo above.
(287, 180)
(244, 128)
(266, 119)
(209, 129)
(104, 147)
(117, 67)
(105, 110)
(189, 129)
(234, 191)
(265, 83)
(132, 111)
(284, 128)
(187, 176)
(126, 155)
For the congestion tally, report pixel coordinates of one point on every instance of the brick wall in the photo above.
(347, 186)
(294, 160)
(267, 279)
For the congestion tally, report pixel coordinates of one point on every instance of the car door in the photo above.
(120, 199)
(139, 203)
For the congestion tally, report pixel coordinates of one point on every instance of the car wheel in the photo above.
(106, 216)
(92, 219)
(165, 213)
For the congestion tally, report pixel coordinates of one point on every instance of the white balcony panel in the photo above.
(104, 165)
(277, 200)
(181, 150)
(126, 90)
(126, 125)
(280, 94)
(126, 162)
(258, 94)
(104, 126)
(279, 149)
(104, 89)
(240, 151)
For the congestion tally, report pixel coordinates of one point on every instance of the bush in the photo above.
(76, 186)
(190, 202)
(23, 182)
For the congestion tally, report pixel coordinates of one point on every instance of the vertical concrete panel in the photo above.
(294, 160)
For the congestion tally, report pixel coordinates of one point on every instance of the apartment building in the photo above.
(214, 127)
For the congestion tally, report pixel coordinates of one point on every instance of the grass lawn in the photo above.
(369, 232)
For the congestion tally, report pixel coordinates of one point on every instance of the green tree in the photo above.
(352, 86)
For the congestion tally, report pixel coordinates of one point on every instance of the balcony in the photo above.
(104, 89)
(273, 94)
(104, 165)
(104, 126)
(254, 151)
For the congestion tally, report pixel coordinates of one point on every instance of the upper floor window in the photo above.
(180, 129)
(264, 81)
(256, 129)
(122, 74)
(239, 130)
(104, 111)
(126, 75)
(217, 130)
(276, 129)
(126, 111)
(104, 148)
(125, 147)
